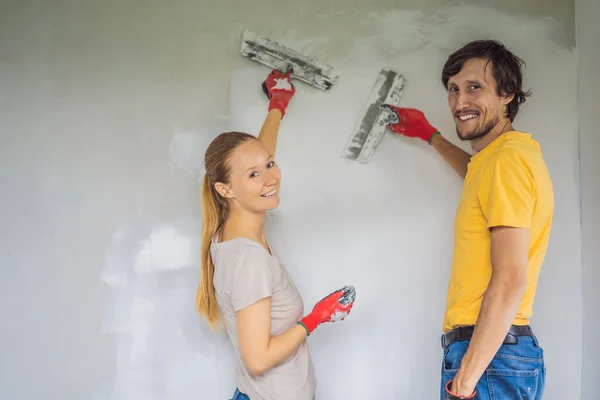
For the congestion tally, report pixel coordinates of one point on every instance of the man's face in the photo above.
(474, 102)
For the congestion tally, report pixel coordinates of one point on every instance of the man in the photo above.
(501, 229)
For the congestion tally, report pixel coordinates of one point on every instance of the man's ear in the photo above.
(223, 190)
(508, 98)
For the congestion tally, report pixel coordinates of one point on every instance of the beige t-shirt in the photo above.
(244, 273)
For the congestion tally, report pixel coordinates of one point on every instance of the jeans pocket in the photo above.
(450, 365)
(447, 375)
(514, 384)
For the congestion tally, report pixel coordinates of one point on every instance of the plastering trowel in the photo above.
(284, 59)
(369, 131)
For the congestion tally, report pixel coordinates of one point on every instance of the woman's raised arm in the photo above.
(279, 89)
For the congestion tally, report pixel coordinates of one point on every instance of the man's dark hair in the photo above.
(506, 69)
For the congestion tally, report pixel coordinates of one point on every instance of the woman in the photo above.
(243, 284)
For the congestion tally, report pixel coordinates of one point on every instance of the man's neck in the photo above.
(481, 143)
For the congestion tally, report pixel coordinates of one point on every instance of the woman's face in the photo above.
(254, 179)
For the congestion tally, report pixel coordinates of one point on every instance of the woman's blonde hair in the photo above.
(215, 210)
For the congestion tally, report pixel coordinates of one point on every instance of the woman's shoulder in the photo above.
(240, 249)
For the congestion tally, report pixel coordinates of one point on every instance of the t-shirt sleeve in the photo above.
(251, 278)
(507, 193)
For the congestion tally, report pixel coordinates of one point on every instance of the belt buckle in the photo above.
(443, 340)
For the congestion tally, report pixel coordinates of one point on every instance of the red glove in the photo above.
(332, 308)
(452, 396)
(410, 122)
(279, 89)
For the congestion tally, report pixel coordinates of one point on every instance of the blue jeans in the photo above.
(239, 395)
(517, 371)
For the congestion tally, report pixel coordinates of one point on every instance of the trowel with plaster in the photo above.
(369, 131)
(284, 59)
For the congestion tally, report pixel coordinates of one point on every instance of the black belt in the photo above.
(465, 332)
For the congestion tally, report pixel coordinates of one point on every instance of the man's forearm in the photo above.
(454, 155)
(498, 309)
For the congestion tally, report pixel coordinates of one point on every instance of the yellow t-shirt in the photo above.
(507, 183)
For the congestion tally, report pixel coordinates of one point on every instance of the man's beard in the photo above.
(478, 132)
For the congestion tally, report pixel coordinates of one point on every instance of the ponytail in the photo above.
(214, 214)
